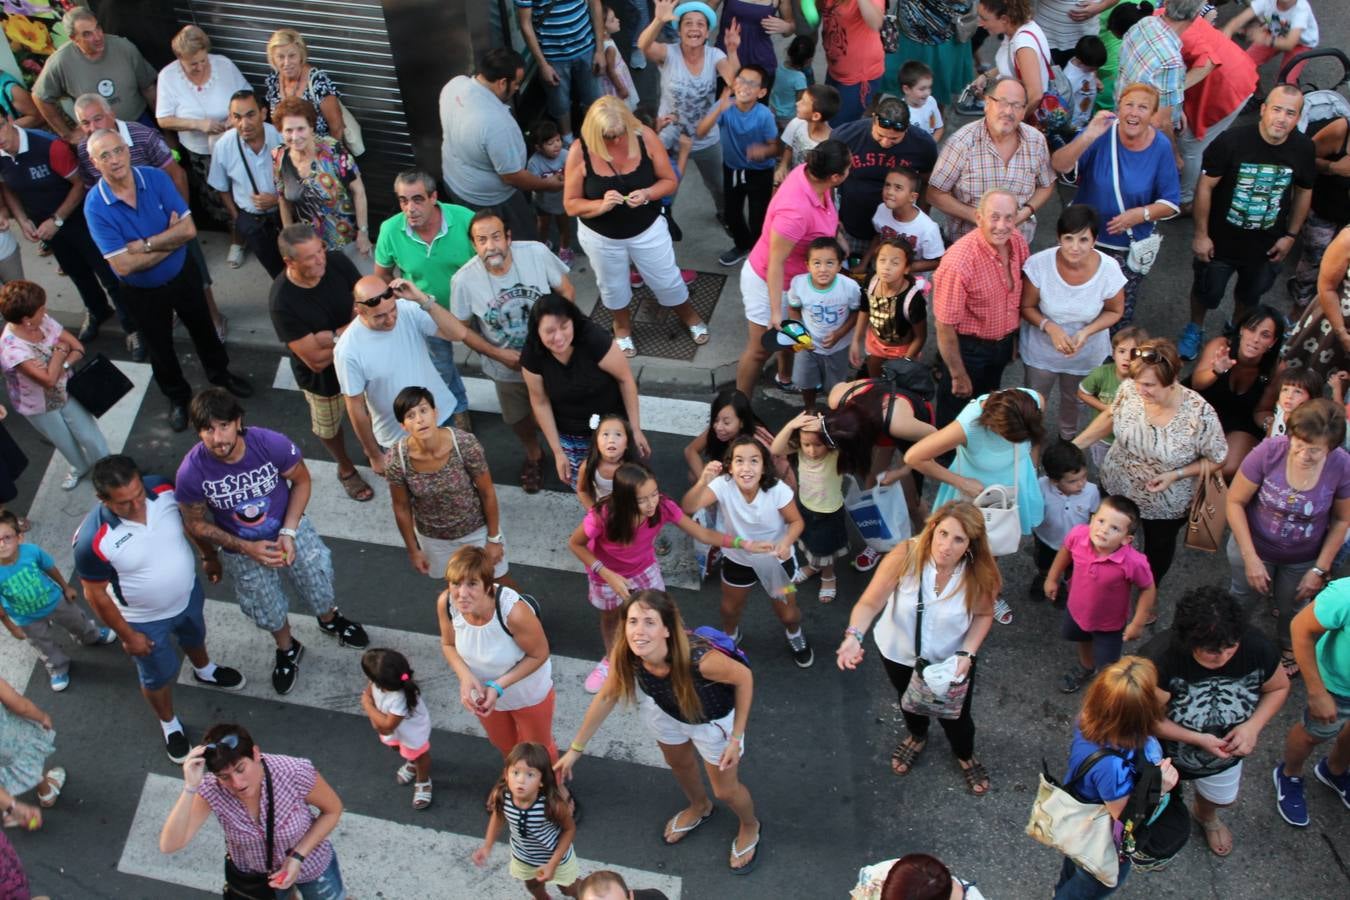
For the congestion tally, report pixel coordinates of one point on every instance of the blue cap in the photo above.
(695, 6)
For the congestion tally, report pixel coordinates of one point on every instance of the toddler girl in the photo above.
(528, 801)
(894, 326)
(392, 701)
(615, 79)
(611, 447)
(1294, 387)
(820, 496)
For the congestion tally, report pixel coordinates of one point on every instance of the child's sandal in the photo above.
(422, 795)
(51, 786)
(828, 589)
(406, 773)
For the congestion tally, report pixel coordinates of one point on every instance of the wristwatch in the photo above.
(58, 220)
(288, 532)
(146, 245)
(496, 538)
(428, 303)
(1320, 572)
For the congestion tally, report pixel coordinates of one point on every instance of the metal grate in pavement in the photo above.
(657, 331)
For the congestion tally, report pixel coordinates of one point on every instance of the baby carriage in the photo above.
(1321, 105)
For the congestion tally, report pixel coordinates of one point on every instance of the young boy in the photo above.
(1276, 26)
(815, 106)
(1293, 388)
(546, 162)
(36, 603)
(1105, 568)
(790, 79)
(749, 148)
(916, 84)
(1098, 388)
(1089, 55)
(827, 305)
(898, 213)
(1069, 500)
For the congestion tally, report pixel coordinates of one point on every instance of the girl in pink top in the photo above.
(615, 542)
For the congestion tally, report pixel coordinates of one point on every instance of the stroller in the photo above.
(1321, 105)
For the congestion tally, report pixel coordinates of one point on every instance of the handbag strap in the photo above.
(1115, 172)
(248, 167)
(267, 785)
(918, 622)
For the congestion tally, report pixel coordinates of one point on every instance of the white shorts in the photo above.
(1220, 789)
(439, 551)
(755, 296)
(710, 738)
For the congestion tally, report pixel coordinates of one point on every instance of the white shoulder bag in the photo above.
(1002, 519)
(1143, 252)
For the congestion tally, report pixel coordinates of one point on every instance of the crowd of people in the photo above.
(856, 214)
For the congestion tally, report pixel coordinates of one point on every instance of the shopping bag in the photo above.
(880, 515)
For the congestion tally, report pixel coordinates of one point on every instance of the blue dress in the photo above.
(988, 458)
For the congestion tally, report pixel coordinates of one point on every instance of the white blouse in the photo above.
(177, 97)
(490, 652)
(945, 618)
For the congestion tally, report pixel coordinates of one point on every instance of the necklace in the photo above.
(1297, 486)
(940, 580)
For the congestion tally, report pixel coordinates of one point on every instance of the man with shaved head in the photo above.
(977, 297)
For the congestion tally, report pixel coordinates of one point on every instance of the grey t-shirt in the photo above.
(480, 142)
(500, 304)
(118, 77)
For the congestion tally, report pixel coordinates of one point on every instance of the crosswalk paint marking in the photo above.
(659, 414)
(331, 679)
(56, 513)
(368, 848)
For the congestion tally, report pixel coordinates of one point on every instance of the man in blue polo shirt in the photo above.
(140, 222)
(139, 573)
(43, 175)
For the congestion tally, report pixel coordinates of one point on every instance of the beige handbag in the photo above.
(1208, 516)
(1084, 832)
(351, 129)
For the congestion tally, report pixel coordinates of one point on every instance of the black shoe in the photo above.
(89, 327)
(137, 347)
(223, 679)
(176, 746)
(347, 632)
(235, 385)
(178, 418)
(287, 668)
(801, 651)
(1075, 678)
(732, 257)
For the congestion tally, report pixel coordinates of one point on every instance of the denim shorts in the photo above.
(258, 587)
(1325, 731)
(328, 886)
(576, 81)
(162, 664)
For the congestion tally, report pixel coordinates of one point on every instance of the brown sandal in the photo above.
(532, 475)
(977, 778)
(356, 486)
(905, 754)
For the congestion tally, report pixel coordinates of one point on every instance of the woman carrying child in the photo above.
(695, 698)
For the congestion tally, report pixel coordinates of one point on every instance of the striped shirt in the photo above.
(563, 27)
(534, 836)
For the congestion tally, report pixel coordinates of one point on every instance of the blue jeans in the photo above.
(328, 886)
(1076, 884)
(853, 99)
(443, 358)
(576, 81)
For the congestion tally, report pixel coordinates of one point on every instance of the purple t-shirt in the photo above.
(1288, 526)
(248, 498)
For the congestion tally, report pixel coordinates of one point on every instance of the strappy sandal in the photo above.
(406, 773)
(699, 333)
(752, 848)
(50, 789)
(356, 486)
(421, 795)
(626, 345)
(804, 573)
(905, 755)
(1289, 664)
(1213, 830)
(674, 828)
(828, 589)
(977, 777)
(532, 475)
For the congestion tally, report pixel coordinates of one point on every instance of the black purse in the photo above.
(98, 384)
(240, 885)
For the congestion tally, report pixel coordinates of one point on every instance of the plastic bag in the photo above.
(880, 515)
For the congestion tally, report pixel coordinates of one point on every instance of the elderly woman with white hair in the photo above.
(616, 174)
(293, 76)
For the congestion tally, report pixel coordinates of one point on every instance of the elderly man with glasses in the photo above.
(1000, 151)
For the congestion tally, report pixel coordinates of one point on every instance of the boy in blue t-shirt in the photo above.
(750, 151)
(36, 603)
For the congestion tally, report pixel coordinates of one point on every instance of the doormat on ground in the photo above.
(657, 331)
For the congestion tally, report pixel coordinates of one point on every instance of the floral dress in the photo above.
(1312, 343)
(321, 198)
(28, 397)
(317, 87)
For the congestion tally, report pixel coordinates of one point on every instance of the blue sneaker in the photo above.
(1191, 340)
(1289, 800)
(1338, 783)
(60, 682)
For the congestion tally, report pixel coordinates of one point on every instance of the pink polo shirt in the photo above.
(797, 213)
(1099, 591)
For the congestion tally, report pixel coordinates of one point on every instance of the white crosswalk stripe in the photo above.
(331, 679)
(374, 855)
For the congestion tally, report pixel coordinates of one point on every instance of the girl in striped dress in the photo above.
(528, 801)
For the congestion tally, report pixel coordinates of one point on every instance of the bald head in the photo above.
(1280, 113)
(376, 305)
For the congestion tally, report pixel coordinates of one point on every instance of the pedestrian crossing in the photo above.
(374, 855)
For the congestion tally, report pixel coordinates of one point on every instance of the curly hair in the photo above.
(1208, 618)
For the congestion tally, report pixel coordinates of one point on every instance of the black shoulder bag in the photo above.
(240, 885)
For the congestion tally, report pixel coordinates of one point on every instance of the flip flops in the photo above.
(675, 828)
(753, 848)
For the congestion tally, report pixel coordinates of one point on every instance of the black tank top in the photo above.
(1331, 193)
(717, 698)
(623, 221)
(1233, 409)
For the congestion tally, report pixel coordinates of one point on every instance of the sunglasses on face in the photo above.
(377, 299)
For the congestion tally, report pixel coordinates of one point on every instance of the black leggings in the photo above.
(960, 732)
(1160, 544)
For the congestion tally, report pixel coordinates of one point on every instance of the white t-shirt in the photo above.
(379, 364)
(923, 234)
(1084, 83)
(797, 135)
(758, 520)
(177, 97)
(927, 117)
(415, 730)
(500, 304)
(690, 96)
(1027, 36)
(1070, 306)
(945, 619)
(1061, 32)
(823, 311)
(1282, 21)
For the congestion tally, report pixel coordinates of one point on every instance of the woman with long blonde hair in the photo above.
(695, 698)
(949, 568)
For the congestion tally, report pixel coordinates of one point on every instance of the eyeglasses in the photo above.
(1015, 105)
(892, 124)
(749, 82)
(110, 153)
(377, 299)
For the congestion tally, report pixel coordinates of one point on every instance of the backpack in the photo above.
(1156, 825)
(1054, 114)
(529, 599)
(721, 642)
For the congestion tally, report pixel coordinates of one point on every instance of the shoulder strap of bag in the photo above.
(271, 818)
(1086, 765)
(455, 441)
(243, 158)
(1115, 173)
(918, 622)
(497, 602)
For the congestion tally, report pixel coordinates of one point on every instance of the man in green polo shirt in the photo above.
(427, 242)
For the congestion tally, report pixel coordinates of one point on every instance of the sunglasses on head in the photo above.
(377, 299)
(226, 741)
(891, 124)
(1152, 356)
